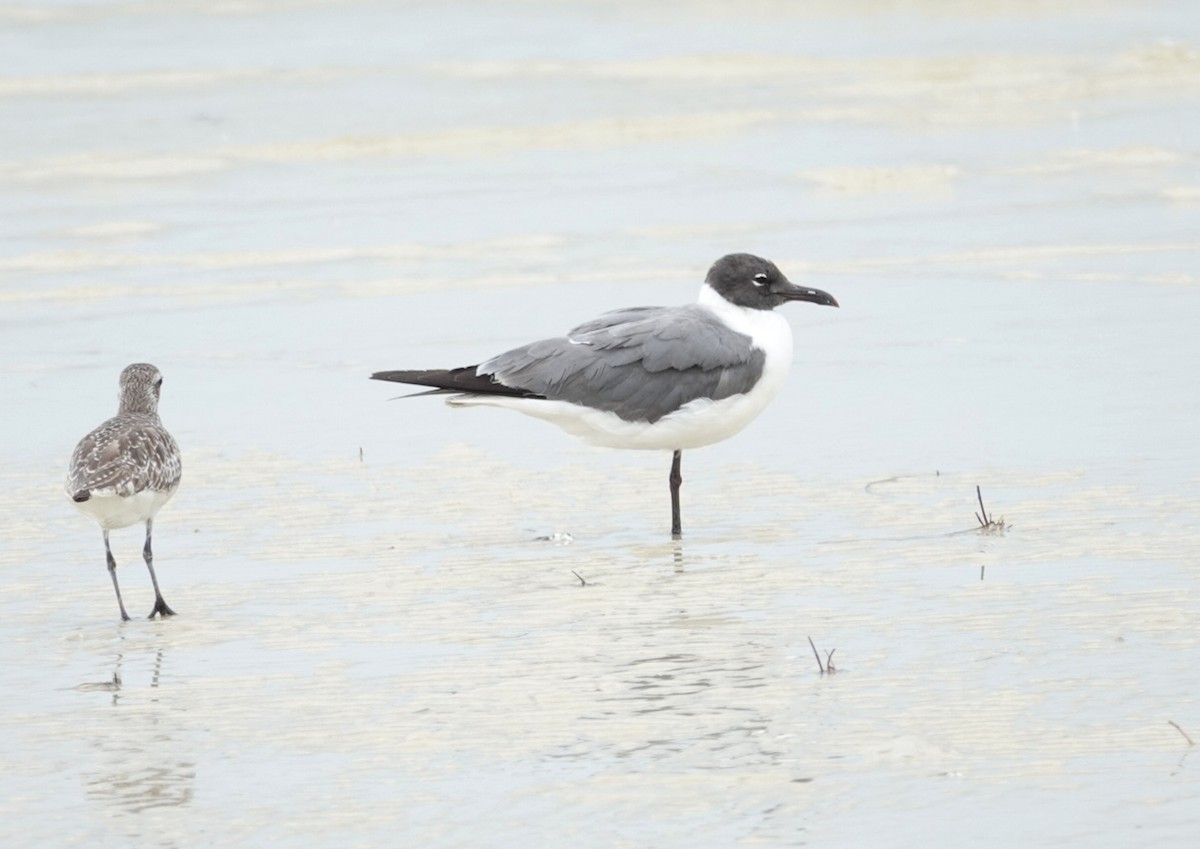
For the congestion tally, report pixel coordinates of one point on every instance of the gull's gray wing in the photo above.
(639, 363)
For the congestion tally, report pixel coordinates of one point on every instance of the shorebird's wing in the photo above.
(124, 456)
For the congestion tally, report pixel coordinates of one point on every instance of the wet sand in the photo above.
(382, 638)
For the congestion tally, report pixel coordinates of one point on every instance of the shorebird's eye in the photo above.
(760, 279)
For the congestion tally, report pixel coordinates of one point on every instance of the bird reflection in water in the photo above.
(134, 769)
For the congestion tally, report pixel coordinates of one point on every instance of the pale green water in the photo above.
(271, 200)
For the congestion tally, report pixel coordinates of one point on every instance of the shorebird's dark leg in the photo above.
(112, 572)
(160, 605)
(676, 479)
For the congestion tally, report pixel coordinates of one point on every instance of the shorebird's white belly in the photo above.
(116, 511)
(697, 423)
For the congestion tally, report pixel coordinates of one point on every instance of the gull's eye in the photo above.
(760, 279)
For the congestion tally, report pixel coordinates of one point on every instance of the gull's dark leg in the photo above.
(676, 479)
(112, 572)
(160, 605)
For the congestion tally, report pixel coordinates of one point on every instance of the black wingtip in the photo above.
(81, 496)
(436, 378)
(465, 380)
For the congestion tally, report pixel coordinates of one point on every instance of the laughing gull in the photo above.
(665, 378)
(125, 470)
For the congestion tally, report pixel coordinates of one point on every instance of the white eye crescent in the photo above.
(760, 279)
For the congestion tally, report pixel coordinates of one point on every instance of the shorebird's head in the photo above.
(753, 282)
(140, 385)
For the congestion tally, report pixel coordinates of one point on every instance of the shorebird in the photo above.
(665, 378)
(126, 469)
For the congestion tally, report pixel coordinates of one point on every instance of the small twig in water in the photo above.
(986, 523)
(981, 568)
(827, 668)
(582, 582)
(817, 655)
(1172, 722)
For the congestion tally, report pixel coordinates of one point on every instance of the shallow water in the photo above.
(271, 200)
